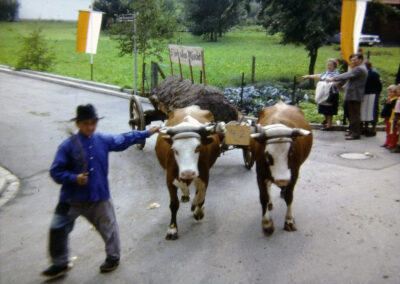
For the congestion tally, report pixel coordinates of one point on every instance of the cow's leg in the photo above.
(290, 225)
(198, 201)
(172, 232)
(265, 199)
(184, 186)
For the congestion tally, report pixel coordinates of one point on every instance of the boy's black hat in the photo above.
(85, 112)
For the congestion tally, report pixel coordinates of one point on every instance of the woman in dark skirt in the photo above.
(329, 107)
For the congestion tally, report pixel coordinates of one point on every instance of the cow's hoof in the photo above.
(290, 226)
(198, 214)
(171, 237)
(185, 198)
(172, 233)
(268, 227)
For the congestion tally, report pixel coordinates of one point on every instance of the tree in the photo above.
(306, 22)
(35, 53)
(155, 24)
(111, 9)
(8, 10)
(211, 18)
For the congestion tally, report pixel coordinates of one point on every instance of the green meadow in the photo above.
(225, 60)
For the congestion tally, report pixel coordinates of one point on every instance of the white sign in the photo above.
(182, 54)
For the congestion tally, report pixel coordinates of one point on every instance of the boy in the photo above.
(81, 167)
(388, 113)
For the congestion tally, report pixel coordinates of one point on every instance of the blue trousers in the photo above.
(100, 214)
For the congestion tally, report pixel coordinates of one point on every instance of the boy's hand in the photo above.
(82, 178)
(154, 129)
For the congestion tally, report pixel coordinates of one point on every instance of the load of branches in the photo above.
(175, 92)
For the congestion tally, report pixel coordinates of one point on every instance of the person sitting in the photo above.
(327, 106)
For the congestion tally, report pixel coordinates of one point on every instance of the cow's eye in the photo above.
(197, 149)
(269, 159)
(176, 152)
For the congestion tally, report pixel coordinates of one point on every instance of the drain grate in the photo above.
(356, 156)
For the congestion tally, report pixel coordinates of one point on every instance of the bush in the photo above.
(8, 10)
(34, 53)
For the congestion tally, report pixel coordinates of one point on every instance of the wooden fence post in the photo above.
(294, 92)
(154, 75)
(253, 69)
(241, 91)
(143, 77)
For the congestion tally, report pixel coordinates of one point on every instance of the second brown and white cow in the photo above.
(187, 148)
(282, 143)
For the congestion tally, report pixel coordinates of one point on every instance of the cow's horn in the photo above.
(300, 132)
(164, 130)
(256, 135)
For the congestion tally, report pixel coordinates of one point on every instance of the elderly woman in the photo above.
(328, 107)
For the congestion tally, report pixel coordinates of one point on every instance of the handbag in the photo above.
(333, 96)
(322, 91)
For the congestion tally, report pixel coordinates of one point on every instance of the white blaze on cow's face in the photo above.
(186, 149)
(186, 153)
(277, 155)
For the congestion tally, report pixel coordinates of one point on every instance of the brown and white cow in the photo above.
(282, 142)
(187, 148)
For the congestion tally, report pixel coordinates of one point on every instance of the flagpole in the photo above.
(91, 66)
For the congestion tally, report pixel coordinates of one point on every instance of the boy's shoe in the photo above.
(109, 264)
(352, 137)
(55, 271)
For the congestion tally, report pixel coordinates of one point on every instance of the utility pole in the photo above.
(132, 18)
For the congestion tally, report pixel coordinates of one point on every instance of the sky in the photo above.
(64, 10)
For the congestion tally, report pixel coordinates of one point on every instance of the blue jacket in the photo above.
(80, 153)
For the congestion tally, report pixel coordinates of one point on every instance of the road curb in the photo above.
(9, 186)
(73, 82)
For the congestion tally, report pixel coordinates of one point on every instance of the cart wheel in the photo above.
(248, 157)
(136, 117)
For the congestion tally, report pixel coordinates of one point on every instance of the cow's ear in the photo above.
(205, 140)
(168, 139)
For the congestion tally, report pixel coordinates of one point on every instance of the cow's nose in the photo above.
(188, 175)
(282, 182)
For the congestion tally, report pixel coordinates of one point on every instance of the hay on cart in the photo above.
(175, 92)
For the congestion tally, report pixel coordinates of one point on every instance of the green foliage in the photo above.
(225, 60)
(111, 9)
(377, 15)
(307, 22)
(35, 53)
(209, 18)
(8, 10)
(154, 26)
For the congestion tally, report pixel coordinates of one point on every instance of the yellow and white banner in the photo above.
(87, 36)
(353, 13)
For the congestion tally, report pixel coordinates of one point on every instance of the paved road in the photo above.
(347, 212)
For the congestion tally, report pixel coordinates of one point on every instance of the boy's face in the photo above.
(87, 127)
(392, 94)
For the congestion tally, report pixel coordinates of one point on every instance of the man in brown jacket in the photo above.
(354, 92)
